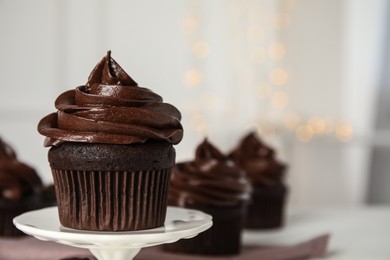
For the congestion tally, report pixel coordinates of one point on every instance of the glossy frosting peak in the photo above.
(109, 72)
(17, 180)
(211, 179)
(258, 160)
(111, 108)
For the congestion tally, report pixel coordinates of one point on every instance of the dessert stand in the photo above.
(180, 223)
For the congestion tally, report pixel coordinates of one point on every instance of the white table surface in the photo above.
(355, 233)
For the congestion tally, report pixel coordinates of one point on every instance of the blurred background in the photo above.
(310, 76)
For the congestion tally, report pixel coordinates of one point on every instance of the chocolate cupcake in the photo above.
(266, 209)
(21, 190)
(111, 152)
(213, 184)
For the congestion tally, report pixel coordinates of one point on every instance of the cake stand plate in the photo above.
(179, 223)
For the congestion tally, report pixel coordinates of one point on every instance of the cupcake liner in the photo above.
(11, 209)
(266, 211)
(223, 238)
(7, 228)
(112, 200)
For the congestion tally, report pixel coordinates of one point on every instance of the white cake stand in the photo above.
(180, 223)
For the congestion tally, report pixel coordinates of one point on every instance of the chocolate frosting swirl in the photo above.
(211, 179)
(258, 160)
(111, 108)
(17, 180)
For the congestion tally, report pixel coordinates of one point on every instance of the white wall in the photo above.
(29, 75)
(334, 58)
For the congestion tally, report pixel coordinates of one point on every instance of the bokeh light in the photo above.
(317, 124)
(209, 100)
(193, 77)
(344, 131)
(280, 21)
(304, 133)
(278, 77)
(264, 90)
(292, 121)
(238, 7)
(200, 49)
(190, 23)
(276, 51)
(199, 123)
(279, 100)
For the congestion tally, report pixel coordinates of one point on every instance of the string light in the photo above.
(292, 121)
(288, 4)
(264, 90)
(318, 125)
(190, 23)
(267, 54)
(209, 100)
(279, 77)
(200, 49)
(279, 100)
(280, 21)
(193, 77)
(330, 125)
(344, 132)
(269, 130)
(277, 51)
(199, 123)
(304, 133)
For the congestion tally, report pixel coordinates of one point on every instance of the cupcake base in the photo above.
(11, 209)
(112, 200)
(266, 210)
(110, 187)
(223, 238)
(7, 228)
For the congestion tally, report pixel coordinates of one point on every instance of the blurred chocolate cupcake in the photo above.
(266, 173)
(213, 184)
(21, 190)
(111, 152)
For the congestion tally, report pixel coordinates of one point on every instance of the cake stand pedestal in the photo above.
(180, 223)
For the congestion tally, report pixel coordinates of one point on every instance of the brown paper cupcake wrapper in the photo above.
(266, 211)
(12, 209)
(112, 201)
(223, 238)
(7, 228)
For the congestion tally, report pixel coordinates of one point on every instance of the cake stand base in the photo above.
(180, 223)
(114, 253)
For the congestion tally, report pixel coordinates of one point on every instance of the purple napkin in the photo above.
(312, 248)
(29, 248)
